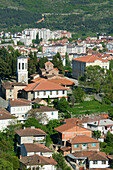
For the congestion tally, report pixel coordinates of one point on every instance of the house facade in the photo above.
(12, 90)
(30, 135)
(44, 89)
(19, 108)
(37, 162)
(79, 64)
(29, 149)
(5, 119)
(69, 130)
(47, 113)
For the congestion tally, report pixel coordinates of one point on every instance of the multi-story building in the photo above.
(79, 64)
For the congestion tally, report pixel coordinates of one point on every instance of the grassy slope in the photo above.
(93, 15)
(90, 107)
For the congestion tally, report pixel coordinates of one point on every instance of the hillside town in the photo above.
(56, 101)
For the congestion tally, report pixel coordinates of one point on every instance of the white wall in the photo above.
(44, 167)
(4, 123)
(98, 165)
(54, 95)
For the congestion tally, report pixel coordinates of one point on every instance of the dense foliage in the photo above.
(8, 62)
(84, 17)
(61, 161)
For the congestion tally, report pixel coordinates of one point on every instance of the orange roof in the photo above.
(50, 63)
(105, 116)
(89, 59)
(82, 139)
(68, 126)
(44, 86)
(62, 81)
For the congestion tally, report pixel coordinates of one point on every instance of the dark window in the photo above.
(22, 66)
(44, 93)
(95, 162)
(19, 66)
(56, 92)
(37, 93)
(63, 92)
(50, 92)
(103, 162)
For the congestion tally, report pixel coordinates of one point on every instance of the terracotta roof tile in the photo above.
(68, 126)
(48, 63)
(30, 132)
(37, 160)
(100, 156)
(19, 102)
(89, 59)
(4, 114)
(45, 108)
(36, 147)
(62, 81)
(44, 86)
(82, 139)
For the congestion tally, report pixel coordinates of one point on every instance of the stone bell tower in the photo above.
(22, 72)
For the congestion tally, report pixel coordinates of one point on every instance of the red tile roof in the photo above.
(44, 108)
(48, 63)
(30, 132)
(72, 120)
(89, 59)
(44, 86)
(19, 102)
(4, 114)
(98, 156)
(36, 147)
(82, 139)
(37, 160)
(68, 126)
(62, 81)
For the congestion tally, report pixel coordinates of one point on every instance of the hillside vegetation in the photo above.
(74, 15)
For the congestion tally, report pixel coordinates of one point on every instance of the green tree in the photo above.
(5, 165)
(94, 77)
(97, 134)
(63, 104)
(42, 61)
(111, 65)
(61, 161)
(48, 141)
(58, 63)
(79, 94)
(32, 64)
(51, 125)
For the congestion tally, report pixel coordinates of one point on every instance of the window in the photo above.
(22, 66)
(63, 92)
(84, 145)
(103, 162)
(52, 113)
(19, 66)
(50, 92)
(10, 90)
(56, 92)
(93, 144)
(106, 67)
(76, 146)
(44, 93)
(95, 162)
(37, 93)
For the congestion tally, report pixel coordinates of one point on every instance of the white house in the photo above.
(37, 162)
(98, 160)
(19, 108)
(79, 64)
(30, 135)
(88, 159)
(5, 119)
(43, 89)
(47, 113)
(103, 125)
(29, 149)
